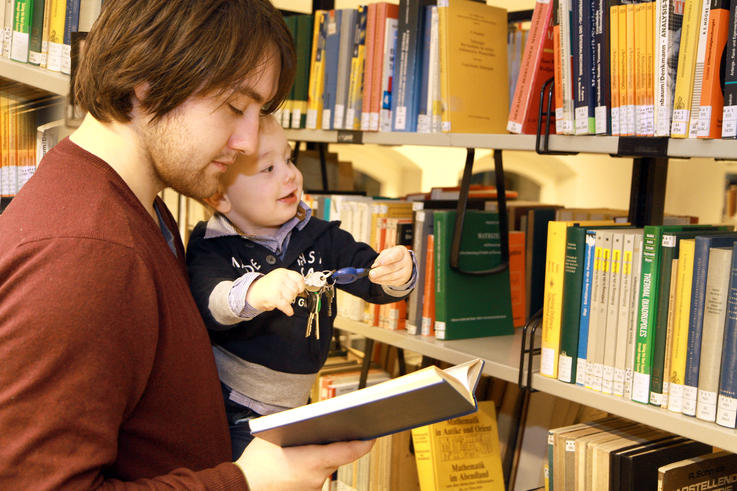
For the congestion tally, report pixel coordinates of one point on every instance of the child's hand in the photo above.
(276, 290)
(393, 267)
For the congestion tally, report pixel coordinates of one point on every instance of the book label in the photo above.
(656, 399)
(570, 445)
(401, 118)
(680, 122)
(726, 411)
(675, 398)
(426, 326)
(19, 50)
(663, 122)
(580, 371)
(607, 384)
(565, 364)
(423, 123)
(326, 117)
(615, 121)
(311, 119)
(338, 120)
(707, 407)
(547, 361)
(704, 120)
(582, 120)
(689, 400)
(618, 389)
(600, 115)
(729, 122)
(641, 387)
(439, 330)
(515, 127)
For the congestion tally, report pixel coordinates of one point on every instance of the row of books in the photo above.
(627, 67)
(22, 141)
(648, 314)
(614, 453)
(412, 67)
(39, 32)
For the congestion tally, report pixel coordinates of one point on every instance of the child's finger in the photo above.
(284, 305)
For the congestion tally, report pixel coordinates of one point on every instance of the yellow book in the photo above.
(473, 67)
(461, 453)
(317, 72)
(56, 35)
(553, 293)
(686, 68)
(679, 344)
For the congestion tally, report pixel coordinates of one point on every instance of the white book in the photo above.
(598, 313)
(634, 320)
(567, 116)
(387, 74)
(624, 314)
(6, 35)
(609, 346)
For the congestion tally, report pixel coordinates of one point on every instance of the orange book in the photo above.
(641, 72)
(649, 98)
(517, 277)
(536, 68)
(628, 28)
(558, 89)
(381, 224)
(428, 296)
(368, 66)
(712, 98)
(614, 66)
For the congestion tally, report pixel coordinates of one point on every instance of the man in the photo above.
(106, 373)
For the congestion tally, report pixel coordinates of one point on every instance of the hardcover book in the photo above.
(419, 398)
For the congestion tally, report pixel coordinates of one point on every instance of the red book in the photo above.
(384, 11)
(428, 295)
(517, 277)
(536, 67)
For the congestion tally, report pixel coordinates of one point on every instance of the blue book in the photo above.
(424, 111)
(583, 332)
(71, 24)
(696, 315)
(332, 49)
(727, 400)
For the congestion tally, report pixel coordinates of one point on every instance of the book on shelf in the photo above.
(7, 27)
(419, 398)
(22, 17)
(71, 24)
(517, 277)
(583, 62)
(727, 395)
(343, 72)
(693, 128)
(382, 66)
(687, 54)
(303, 46)
(712, 333)
(536, 68)
(333, 36)
(566, 113)
(35, 37)
(708, 472)
(89, 11)
(470, 305)
(473, 67)
(536, 239)
(711, 104)
(460, 450)
(427, 325)
(368, 67)
(354, 103)
(317, 71)
(669, 15)
(729, 74)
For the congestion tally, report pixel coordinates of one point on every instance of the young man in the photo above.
(107, 376)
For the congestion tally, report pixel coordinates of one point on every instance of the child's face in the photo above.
(264, 191)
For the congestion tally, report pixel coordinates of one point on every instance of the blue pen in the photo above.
(343, 276)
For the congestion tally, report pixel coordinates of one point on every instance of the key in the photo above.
(329, 295)
(317, 315)
(311, 316)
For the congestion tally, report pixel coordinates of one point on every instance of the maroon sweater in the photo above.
(106, 371)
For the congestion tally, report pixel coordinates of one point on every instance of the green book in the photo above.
(571, 315)
(469, 306)
(303, 41)
(23, 13)
(36, 33)
(648, 304)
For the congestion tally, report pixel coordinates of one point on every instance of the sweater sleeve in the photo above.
(78, 340)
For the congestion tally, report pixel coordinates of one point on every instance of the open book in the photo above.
(419, 398)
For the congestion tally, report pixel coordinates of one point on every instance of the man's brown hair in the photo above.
(180, 48)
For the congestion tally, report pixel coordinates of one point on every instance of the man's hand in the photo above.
(276, 290)
(270, 467)
(393, 267)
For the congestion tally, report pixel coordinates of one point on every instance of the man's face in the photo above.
(264, 191)
(194, 144)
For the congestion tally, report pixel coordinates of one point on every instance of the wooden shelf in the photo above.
(612, 145)
(501, 356)
(31, 75)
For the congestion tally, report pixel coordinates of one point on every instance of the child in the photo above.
(247, 266)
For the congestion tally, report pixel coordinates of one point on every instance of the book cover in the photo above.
(71, 24)
(712, 333)
(473, 67)
(419, 398)
(303, 46)
(702, 246)
(693, 127)
(669, 19)
(461, 451)
(536, 68)
(35, 36)
(468, 306)
(712, 98)
(707, 472)
(686, 68)
(727, 396)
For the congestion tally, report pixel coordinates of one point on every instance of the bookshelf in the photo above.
(33, 76)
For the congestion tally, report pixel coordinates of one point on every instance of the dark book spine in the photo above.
(572, 290)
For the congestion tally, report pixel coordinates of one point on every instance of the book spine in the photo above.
(553, 298)
(602, 84)
(634, 320)
(627, 30)
(22, 16)
(404, 89)
(693, 128)
(647, 308)
(347, 28)
(368, 67)
(387, 74)
(715, 310)
(595, 314)
(668, 248)
(581, 21)
(649, 112)
(613, 7)
(441, 257)
(45, 33)
(533, 71)
(378, 65)
(583, 334)
(686, 67)
(624, 316)
(727, 399)
(729, 113)
(332, 49)
(680, 325)
(305, 35)
(611, 334)
(597, 328)
(428, 297)
(566, 33)
(661, 68)
(36, 33)
(443, 67)
(424, 107)
(572, 294)
(71, 24)
(669, 333)
(712, 98)
(560, 122)
(317, 72)
(640, 68)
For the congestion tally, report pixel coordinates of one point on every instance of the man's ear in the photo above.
(219, 201)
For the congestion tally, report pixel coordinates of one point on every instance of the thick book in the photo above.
(473, 67)
(317, 71)
(708, 472)
(535, 69)
(462, 449)
(585, 308)
(639, 467)
(470, 305)
(419, 398)
(71, 24)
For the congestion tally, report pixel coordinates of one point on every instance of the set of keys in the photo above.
(319, 283)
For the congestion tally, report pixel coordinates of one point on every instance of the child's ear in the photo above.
(219, 201)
